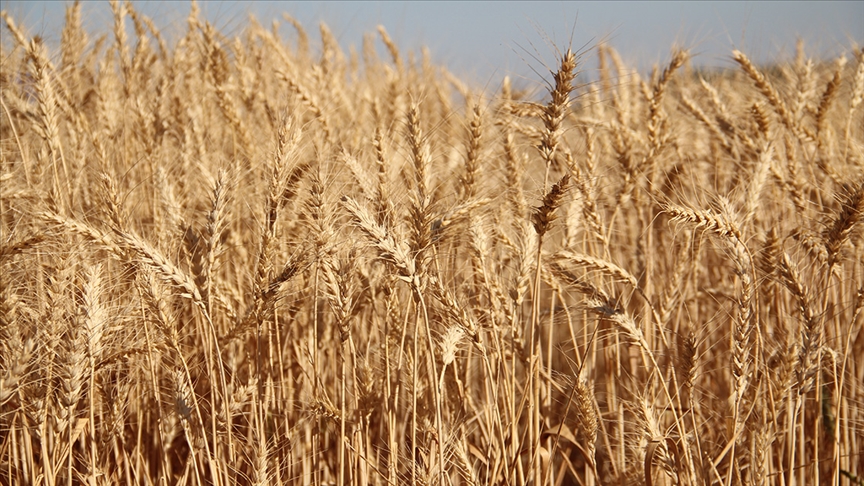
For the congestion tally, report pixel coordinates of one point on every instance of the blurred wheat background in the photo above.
(241, 260)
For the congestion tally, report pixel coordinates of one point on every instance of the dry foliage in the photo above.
(241, 261)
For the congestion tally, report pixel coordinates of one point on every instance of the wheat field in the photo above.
(245, 260)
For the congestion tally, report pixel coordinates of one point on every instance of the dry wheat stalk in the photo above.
(770, 93)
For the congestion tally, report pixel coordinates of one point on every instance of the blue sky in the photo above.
(486, 40)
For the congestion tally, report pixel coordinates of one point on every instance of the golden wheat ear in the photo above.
(544, 214)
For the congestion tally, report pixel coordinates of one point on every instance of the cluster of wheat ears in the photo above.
(248, 261)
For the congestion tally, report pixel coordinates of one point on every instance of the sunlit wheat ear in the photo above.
(19, 352)
(262, 472)
(586, 414)
(366, 182)
(622, 319)
(15, 247)
(213, 230)
(161, 265)
(656, 117)
(717, 223)
(449, 344)
(16, 32)
(389, 250)
(49, 118)
(544, 215)
(391, 47)
(603, 266)
(75, 364)
(828, 96)
(472, 156)
(770, 93)
(851, 206)
(555, 111)
(812, 333)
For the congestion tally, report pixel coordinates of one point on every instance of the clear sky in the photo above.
(486, 40)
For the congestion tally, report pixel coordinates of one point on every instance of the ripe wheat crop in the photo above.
(245, 260)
